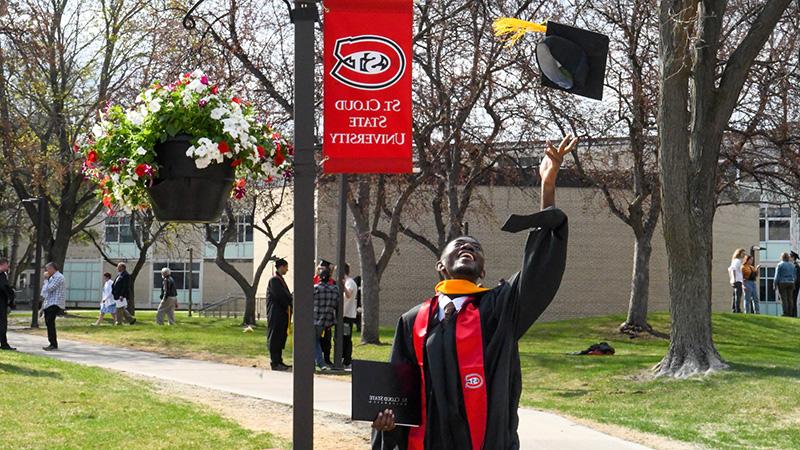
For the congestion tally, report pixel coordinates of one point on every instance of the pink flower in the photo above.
(204, 80)
(202, 103)
(215, 89)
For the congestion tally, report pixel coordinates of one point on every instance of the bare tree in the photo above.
(699, 89)
(264, 206)
(146, 232)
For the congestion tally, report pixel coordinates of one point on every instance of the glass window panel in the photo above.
(176, 267)
(178, 277)
(779, 230)
(196, 267)
(112, 234)
(762, 232)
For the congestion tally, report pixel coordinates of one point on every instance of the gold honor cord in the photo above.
(512, 30)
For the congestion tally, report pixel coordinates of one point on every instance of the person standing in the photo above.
(326, 297)
(349, 314)
(750, 276)
(107, 304)
(6, 303)
(795, 258)
(784, 282)
(736, 279)
(465, 339)
(121, 290)
(279, 304)
(54, 301)
(326, 340)
(169, 298)
(359, 311)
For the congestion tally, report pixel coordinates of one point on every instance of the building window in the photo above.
(118, 230)
(83, 281)
(179, 272)
(766, 283)
(774, 224)
(244, 229)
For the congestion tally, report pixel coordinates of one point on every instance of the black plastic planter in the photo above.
(184, 193)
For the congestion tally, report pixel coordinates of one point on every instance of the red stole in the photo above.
(469, 349)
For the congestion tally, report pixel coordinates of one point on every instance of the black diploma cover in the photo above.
(378, 386)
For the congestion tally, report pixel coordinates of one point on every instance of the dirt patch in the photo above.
(647, 439)
(331, 431)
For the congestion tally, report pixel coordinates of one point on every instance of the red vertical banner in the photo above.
(367, 86)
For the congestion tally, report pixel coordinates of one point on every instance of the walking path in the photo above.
(537, 429)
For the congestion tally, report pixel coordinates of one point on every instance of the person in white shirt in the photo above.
(107, 303)
(737, 279)
(349, 316)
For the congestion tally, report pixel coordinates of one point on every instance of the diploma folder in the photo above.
(378, 386)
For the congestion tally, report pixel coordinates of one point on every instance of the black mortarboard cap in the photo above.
(573, 60)
(324, 263)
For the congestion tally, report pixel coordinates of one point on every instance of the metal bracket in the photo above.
(305, 12)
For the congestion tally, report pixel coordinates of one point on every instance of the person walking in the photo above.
(54, 301)
(6, 303)
(121, 290)
(349, 314)
(326, 297)
(795, 258)
(784, 283)
(750, 275)
(169, 298)
(107, 304)
(736, 279)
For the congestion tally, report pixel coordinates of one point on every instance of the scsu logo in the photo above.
(473, 381)
(368, 62)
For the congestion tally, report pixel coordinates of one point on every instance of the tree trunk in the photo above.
(691, 350)
(249, 308)
(640, 287)
(370, 287)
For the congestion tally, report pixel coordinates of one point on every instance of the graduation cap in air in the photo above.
(570, 59)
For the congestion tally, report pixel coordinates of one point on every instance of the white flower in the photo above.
(136, 117)
(202, 163)
(197, 73)
(98, 131)
(155, 105)
(190, 151)
(141, 151)
(195, 85)
(218, 113)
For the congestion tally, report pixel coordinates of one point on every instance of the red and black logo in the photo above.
(473, 381)
(368, 62)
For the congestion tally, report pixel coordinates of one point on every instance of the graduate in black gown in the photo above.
(466, 336)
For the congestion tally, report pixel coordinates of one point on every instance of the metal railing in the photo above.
(230, 306)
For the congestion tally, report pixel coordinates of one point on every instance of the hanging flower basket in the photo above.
(183, 149)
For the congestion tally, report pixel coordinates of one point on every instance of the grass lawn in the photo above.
(56, 405)
(756, 404)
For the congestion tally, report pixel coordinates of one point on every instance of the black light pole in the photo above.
(341, 252)
(304, 15)
(36, 278)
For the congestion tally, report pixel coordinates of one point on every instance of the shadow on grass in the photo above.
(24, 371)
(765, 371)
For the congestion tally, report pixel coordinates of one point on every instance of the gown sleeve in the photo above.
(402, 352)
(530, 291)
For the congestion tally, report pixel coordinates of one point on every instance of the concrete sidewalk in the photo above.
(537, 429)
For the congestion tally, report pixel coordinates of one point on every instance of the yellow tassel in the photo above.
(516, 28)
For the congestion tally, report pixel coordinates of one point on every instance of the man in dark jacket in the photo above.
(121, 290)
(279, 304)
(6, 303)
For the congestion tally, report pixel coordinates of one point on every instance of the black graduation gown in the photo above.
(279, 299)
(506, 312)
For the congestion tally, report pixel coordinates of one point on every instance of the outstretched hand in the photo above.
(553, 157)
